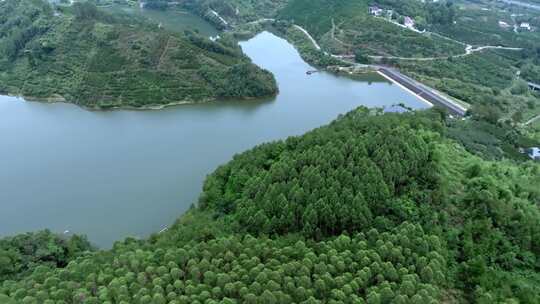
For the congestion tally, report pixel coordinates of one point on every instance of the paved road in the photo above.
(262, 20)
(532, 120)
(468, 51)
(424, 92)
(315, 44)
(417, 88)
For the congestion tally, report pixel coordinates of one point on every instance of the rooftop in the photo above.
(534, 153)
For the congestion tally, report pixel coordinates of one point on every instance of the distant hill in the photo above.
(86, 56)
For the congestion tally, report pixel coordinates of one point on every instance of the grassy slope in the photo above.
(316, 16)
(108, 61)
(485, 79)
(236, 11)
(375, 36)
(478, 24)
(355, 30)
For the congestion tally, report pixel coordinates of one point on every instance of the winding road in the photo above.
(422, 91)
(469, 50)
(315, 44)
(532, 120)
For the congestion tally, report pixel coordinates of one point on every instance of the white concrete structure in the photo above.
(504, 24)
(375, 11)
(525, 26)
(409, 22)
(534, 153)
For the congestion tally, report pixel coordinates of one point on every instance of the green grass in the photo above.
(375, 36)
(478, 24)
(236, 11)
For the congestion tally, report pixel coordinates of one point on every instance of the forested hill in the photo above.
(98, 60)
(374, 208)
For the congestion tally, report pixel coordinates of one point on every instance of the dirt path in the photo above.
(315, 44)
(532, 120)
(333, 35)
(469, 50)
(163, 53)
(262, 20)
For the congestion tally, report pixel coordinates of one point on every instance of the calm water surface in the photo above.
(129, 173)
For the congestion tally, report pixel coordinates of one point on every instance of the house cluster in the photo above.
(379, 12)
(60, 2)
(524, 26)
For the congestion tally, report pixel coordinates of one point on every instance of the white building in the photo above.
(504, 24)
(375, 11)
(525, 26)
(409, 22)
(534, 153)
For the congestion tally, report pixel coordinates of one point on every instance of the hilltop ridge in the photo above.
(83, 55)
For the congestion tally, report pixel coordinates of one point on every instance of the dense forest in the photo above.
(87, 56)
(373, 208)
(22, 254)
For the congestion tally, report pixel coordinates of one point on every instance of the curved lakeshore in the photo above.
(156, 107)
(112, 174)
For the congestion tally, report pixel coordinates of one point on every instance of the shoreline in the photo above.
(151, 107)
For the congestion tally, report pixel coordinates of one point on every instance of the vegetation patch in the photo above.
(98, 60)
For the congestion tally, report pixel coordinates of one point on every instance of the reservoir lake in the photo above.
(122, 173)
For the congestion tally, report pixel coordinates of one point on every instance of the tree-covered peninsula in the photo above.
(83, 55)
(373, 208)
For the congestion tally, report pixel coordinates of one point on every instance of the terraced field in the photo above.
(88, 57)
